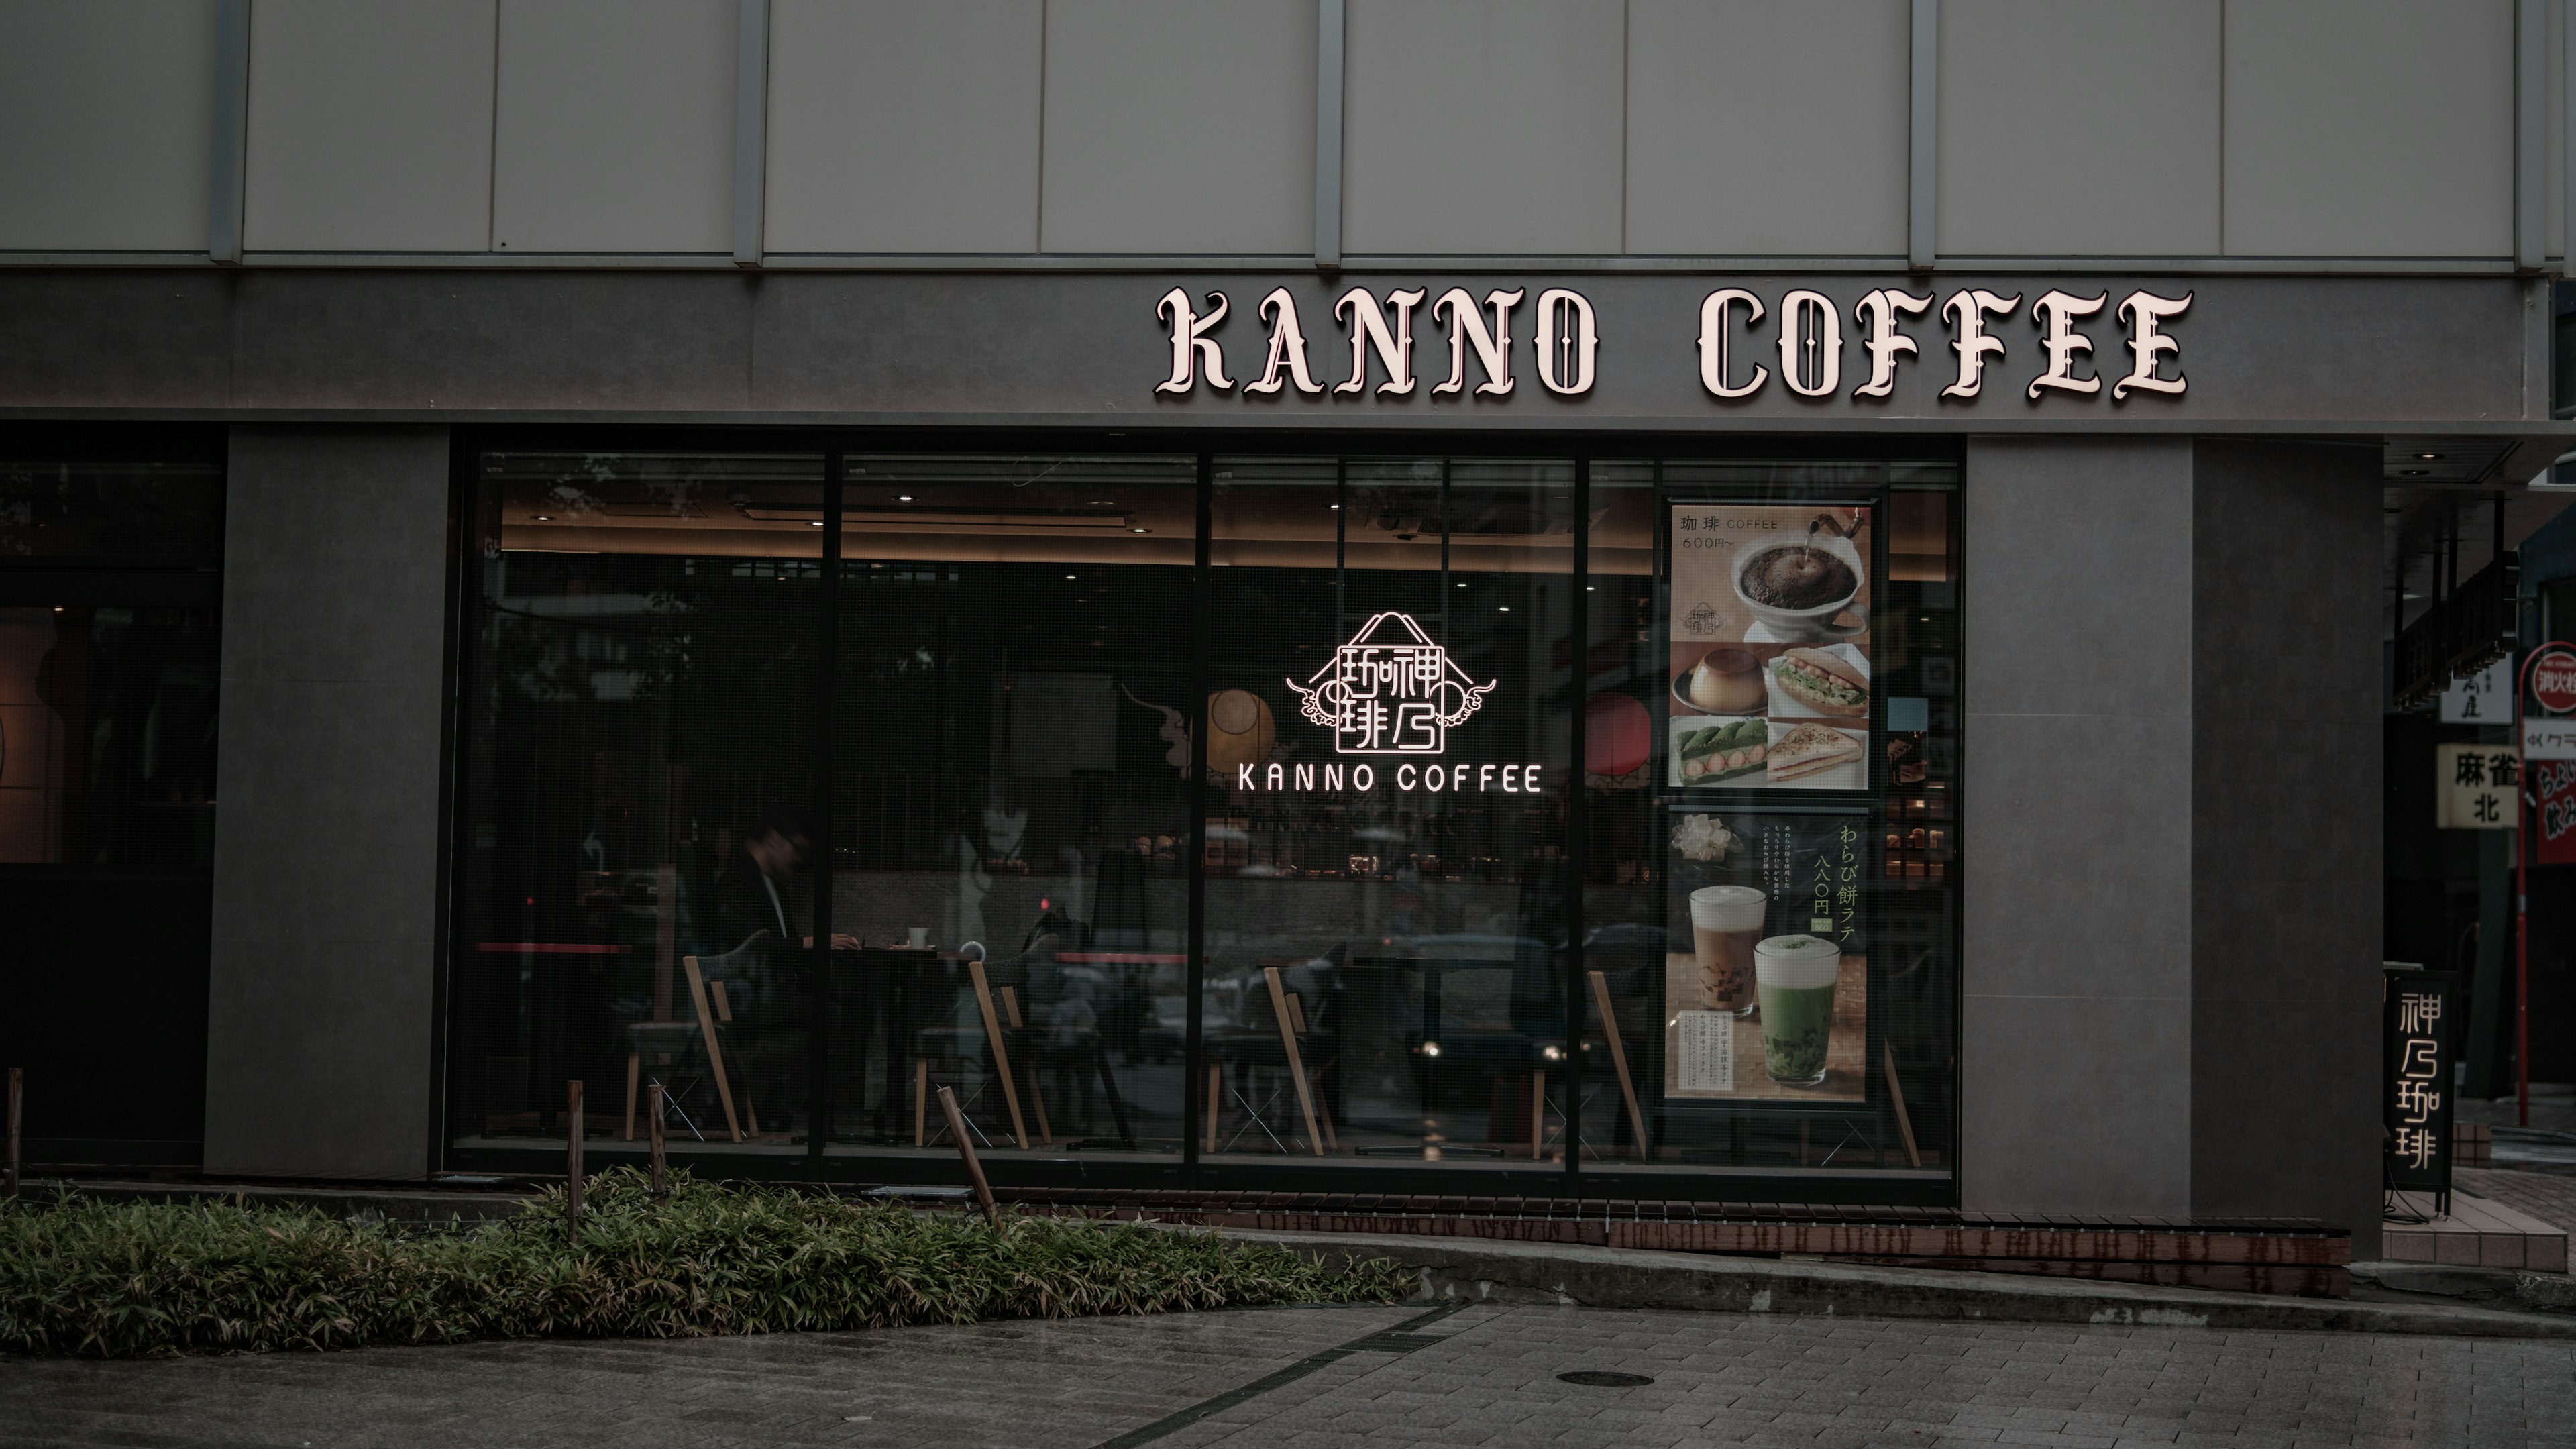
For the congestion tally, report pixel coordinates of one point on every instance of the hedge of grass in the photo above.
(121, 1279)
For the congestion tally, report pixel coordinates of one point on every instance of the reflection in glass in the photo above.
(1388, 760)
(636, 880)
(1012, 720)
(1784, 954)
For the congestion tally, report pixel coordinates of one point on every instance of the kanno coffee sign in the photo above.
(1802, 341)
(1389, 697)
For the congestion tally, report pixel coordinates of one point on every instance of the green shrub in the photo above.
(119, 1279)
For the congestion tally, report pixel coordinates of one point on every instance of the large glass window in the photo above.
(1255, 816)
(1388, 754)
(110, 558)
(1771, 745)
(640, 765)
(1010, 722)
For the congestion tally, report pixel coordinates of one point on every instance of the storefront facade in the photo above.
(1858, 693)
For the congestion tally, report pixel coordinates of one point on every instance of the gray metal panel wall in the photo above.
(2075, 1011)
(370, 126)
(1757, 129)
(326, 848)
(108, 111)
(614, 126)
(1180, 126)
(1485, 126)
(901, 127)
(2369, 128)
(2079, 127)
(2285, 811)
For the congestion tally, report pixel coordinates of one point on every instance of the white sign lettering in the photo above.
(1564, 335)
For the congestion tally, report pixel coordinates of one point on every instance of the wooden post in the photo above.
(1279, 1000)
(572, 1163)
(1216, 1085)
(653, 1136)
(17, 1114)
(1001, 1053)
(1896, 1094)
(1538, 1114)
(1618, 1059)
(966, 1151)
(920, 1101)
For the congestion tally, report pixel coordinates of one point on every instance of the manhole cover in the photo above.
(1604, 1379)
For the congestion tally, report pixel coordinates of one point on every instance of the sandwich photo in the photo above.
(1723, 751)
(1808, 749)
(1824, 682)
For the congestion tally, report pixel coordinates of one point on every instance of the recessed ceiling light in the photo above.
(1068, 576)
(2413, 472)
(1140, 530)
(903, 498)
(818, 523)
(2428, 457)
(545, 518)
(1507, 608)
(1335, 507)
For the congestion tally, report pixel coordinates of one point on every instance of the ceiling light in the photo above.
(1507, 608)
(1140, 530)
(545, 518)
(2413, 472)
(2428, 457)
(1068, 576)
(818, 523)
(1335, 507)
(903, 498)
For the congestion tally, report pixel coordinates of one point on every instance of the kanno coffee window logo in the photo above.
(1815, 358)
(1392, 690)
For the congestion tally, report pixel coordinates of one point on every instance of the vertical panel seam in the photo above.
(492, 144)
(1923, 156)
(1626, 101)
(1331, 51)
(231, 140)
(2530, 140)
(1037, 224)
(750, 129)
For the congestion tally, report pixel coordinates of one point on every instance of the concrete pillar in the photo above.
(2286, 833)
(320, 1031)
(2075, 1004)
(2170, 982)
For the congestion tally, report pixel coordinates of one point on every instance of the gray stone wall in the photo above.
(2076, 973)
(2286, 840)
(319, 1039)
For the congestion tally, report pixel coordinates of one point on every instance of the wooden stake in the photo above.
(966, 1151)
(1001, 1054)
(1896, 1094)
(572, 1163)
(1279, 999)
(1618, 1058)
(17, 1114)
(653, 1136)
(1216, 1085)
(920, 1101)
(1538, 1114)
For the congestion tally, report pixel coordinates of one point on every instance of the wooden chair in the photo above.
(713, 1008)
(990, 1005)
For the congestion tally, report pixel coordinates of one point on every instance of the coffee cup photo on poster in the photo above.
(1795, 977)
(1769, 574)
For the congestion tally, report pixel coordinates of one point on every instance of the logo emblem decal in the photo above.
(1390, 691)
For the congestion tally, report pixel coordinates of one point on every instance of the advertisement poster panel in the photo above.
(1771, 1001)
(2553, 788)
(1769, 633)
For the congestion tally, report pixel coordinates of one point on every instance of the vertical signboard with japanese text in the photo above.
(2416, 1104)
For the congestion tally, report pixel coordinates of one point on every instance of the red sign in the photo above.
(2553, 681)
(2554, 783)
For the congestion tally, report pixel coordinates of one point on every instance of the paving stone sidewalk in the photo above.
(1342, 1376)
